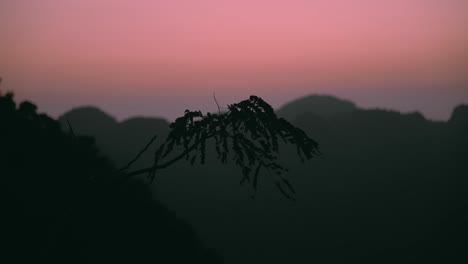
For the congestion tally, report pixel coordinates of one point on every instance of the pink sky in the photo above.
(154, 57)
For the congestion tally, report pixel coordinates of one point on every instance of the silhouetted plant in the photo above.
(249, 130)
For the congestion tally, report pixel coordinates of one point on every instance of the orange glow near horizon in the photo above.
(93, 51)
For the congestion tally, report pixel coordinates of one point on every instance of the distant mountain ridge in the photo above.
(460, 116)
(88, 117)
(325, 106)
(88, 120)
(322, 106)
(119, 140)
(315, 113)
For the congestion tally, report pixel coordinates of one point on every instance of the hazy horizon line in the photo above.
(121, 119)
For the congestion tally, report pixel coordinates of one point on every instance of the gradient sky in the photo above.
(158, 58)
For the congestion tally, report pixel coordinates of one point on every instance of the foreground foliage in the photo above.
(249, 134)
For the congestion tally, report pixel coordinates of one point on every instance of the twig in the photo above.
(71, 130)
(139, 154)
(216, 101)
(167, 163)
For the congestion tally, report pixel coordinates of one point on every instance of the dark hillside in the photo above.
(61, 203)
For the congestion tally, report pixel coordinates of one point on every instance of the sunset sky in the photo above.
(157, 58)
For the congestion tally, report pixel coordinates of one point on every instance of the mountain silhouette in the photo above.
(324, 106)
(91, 120)
(113, 136)
(460, 116)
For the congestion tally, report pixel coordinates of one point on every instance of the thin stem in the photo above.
(216, 101)
(139, 154)
(168, 163)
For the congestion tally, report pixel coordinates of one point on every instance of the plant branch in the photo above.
(170, 162)
(139, 154)
(216, 101)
